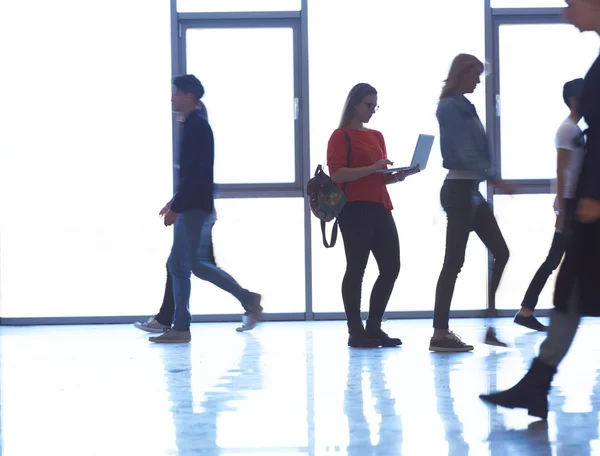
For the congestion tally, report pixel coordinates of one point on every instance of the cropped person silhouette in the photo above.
(577, 289)
(570, 152)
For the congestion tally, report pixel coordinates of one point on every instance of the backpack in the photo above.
(327, 199)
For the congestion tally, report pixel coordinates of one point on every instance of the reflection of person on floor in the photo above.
(577, 290)
(354, 155)
(453, 427)
(390, 424)
(191, 210)
(466, 155)
(575, 430)
(574, 433)
(196, 432)
(570, 151)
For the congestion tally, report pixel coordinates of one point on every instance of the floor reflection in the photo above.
(196, 427)
(453, 427)
(284, 389)
(375, 428)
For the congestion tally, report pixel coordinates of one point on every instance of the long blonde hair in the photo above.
(202, 108)
(355, 96)
(460, 64)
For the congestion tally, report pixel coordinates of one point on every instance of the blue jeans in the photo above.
(192, 253)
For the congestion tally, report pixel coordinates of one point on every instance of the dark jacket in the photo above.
(195, 188)
(582, 261)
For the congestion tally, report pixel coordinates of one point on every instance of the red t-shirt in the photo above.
(368, 146)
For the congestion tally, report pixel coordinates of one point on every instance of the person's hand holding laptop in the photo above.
(419, 160)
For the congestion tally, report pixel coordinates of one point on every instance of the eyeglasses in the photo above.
(371, 106)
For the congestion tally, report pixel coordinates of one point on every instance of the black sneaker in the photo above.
(374, 331)
(362, 340)
(448, 344)
(384, 339)
(492, 339)
(530, 322)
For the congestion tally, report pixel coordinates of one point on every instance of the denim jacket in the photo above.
(463, 140)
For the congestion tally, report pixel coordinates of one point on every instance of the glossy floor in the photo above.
(284, 389)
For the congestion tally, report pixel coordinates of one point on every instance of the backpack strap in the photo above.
(347, 136)
(334, 231)
(334, 234)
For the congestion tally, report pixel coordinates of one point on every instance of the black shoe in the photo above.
(530, 322)
(374, 331)
(492, 339)
(450, 343)
(362, 341)
(530, 393)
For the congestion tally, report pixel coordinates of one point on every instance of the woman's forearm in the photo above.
(351, 174)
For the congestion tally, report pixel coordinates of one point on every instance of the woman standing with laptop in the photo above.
(366, 222)
(466, 155)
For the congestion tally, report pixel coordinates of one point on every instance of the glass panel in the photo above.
(225, 6)
(85, 173)
(333, 71)
(527, 223)
(260, 242)
(528, 3)
(535, 62)
(251, 112)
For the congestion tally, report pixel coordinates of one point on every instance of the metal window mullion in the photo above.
(492, 129)
(526, 12)
(241, 16)
(305, 152)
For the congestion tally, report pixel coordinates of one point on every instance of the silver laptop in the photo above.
(420, 156)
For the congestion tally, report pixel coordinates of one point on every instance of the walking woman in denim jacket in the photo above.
(466, 155)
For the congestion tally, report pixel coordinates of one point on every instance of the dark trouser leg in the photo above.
(457, 202)
(563, 325)
(557, 250)
(486, 227)
(356, 232)
(165, 314)
(386, 250)
(555, 255)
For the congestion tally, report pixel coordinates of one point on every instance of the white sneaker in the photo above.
(151, 326)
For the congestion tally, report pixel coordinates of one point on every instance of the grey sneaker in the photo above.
(251, 317)
(170, 336)
(151, 326)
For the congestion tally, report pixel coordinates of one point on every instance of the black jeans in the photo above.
(167, 309)
(555, 255)
(368, 227)
(466, 211)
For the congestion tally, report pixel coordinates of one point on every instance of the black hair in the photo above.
(189, 83)
(572, 89)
